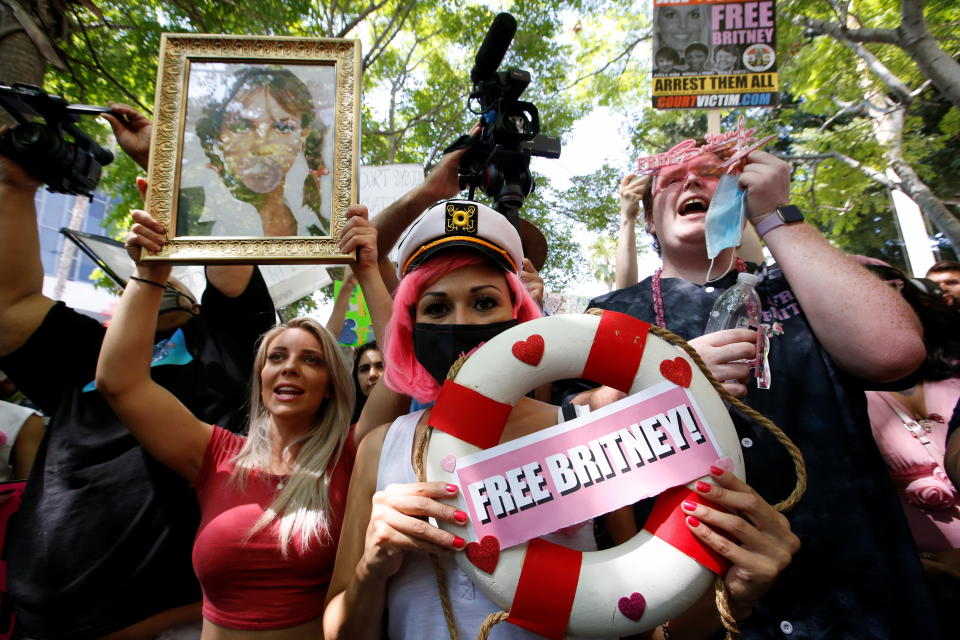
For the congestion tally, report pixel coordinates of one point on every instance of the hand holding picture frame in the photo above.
(255, 147)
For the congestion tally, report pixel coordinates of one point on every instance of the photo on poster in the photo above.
(709, 54)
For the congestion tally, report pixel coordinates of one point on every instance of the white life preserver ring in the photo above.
(637, 585)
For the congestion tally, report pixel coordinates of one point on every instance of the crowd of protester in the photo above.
(196, 469)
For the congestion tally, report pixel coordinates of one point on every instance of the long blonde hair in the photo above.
(303, 505)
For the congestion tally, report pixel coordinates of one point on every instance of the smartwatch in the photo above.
(787, 214)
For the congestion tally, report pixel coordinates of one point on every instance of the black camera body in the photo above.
(65, 166)
(498, 161)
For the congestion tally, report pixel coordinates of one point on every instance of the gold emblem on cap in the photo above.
(463, 219)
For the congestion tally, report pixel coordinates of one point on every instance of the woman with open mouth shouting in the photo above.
(271, 503)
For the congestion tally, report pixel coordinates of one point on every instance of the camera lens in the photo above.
(30, 136)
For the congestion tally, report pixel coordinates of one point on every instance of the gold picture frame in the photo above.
(239, 122)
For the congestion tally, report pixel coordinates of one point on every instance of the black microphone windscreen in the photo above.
(494, 47)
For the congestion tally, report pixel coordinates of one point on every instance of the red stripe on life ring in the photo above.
(616, 351)
(469, 415)
(547, 586)
(667, 521)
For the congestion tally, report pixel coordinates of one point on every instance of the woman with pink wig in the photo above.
(459, 266)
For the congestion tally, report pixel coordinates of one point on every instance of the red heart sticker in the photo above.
(529, 351)
(634, 606)
(677, 371)
(484, 554)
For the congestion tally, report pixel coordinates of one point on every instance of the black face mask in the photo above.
(438, 346)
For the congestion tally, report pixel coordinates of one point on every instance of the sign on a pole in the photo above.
(711, 54)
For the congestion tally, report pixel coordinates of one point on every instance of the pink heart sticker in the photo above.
(634, 606)
(449, 463)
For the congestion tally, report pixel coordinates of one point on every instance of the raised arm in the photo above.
(865, 325)
(163, 426)
(22, 303)
(230, 280)
(341, 303)
(360, 235)
(442, 182)
(631, 190)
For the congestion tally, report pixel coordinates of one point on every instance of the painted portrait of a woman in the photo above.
(263, 170)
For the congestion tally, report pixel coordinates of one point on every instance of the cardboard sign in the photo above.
(709, 54)
(564, 475)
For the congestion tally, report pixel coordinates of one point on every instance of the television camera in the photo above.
(498, 160)
(65, 166)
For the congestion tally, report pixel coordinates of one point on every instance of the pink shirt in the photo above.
(247, 583)
(929, 499)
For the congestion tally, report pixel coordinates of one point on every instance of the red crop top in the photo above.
(248, 584)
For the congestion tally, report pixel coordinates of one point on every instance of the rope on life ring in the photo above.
(621, 321)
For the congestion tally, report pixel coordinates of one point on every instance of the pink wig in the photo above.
(403, 373)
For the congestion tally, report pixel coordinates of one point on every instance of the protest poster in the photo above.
(710, 54)
(357, 325)
(564, 475)
(382, 185)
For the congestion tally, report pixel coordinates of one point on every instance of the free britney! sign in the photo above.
(632, 449)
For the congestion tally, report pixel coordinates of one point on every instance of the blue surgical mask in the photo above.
(724, 221)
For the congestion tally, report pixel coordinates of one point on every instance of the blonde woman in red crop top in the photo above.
(271, 503)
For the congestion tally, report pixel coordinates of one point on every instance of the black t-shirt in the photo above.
(857, 574)
(104, 534)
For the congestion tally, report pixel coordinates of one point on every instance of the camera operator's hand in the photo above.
(443, 181)
(12, 174)
(132, 130)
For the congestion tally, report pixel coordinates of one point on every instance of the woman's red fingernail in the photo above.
(460, 516)
(458, 542)
(689, 505)
(717, 471)
(693, 522)
(703, 487)
(451, 488)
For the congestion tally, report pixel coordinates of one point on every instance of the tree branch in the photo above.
(878, 176)
(348, 27)
(397, 20)
(844, 34)
(627, 51)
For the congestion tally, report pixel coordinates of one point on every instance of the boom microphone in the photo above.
(494, 47)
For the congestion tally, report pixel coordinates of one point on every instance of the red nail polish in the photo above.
(717, 471)
(460, 516)
(451, 488)
(693, 522)
(689, 505)
(703, 487)
(458, 542)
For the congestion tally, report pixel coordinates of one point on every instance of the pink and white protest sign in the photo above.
(632, 449)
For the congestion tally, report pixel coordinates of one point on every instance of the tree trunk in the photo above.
(933, 62)
(930, 204)
(78, 215)
(19, 57)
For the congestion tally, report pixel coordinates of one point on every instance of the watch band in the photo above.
(787, 214)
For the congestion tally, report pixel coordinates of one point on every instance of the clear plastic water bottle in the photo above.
(737, 308)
